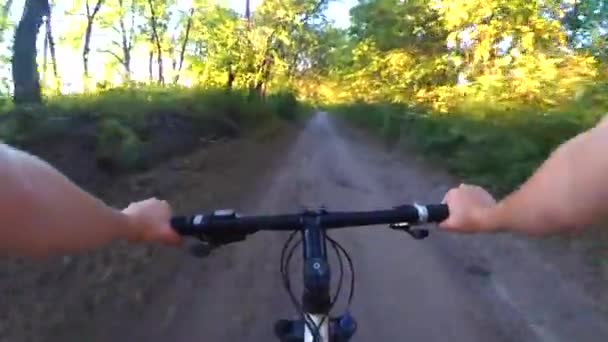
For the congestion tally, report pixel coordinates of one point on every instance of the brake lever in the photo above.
(201, 250)
(416, 233)
(209, 242)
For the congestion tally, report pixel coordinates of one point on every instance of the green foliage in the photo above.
(126, 118)
(285, 104)
(192, 43)
(586, 21)
(395, 24)
(499, 150)
(27, 123)
(489, 88)
(117, 144)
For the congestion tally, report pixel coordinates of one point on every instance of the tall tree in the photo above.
(156, 37)
(49, 46)
(287, 20)
(91, 13)
(217, 37)
(26, 78)
(185, 41)
(126, 14)
(151, 60)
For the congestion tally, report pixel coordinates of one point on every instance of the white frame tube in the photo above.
(323, 330)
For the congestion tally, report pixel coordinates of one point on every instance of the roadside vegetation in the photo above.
(125, 119)
(118, 68)
(489, 88)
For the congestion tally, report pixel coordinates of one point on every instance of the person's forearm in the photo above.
(43, 213)
(569, 190)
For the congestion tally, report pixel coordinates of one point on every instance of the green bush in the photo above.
(26, 123)
(29, 123)
(117, 145)
(499, 149)
(125, 117)
(284, 104)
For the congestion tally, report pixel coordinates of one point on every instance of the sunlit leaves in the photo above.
(435, 52)
(399, 24)
(443, 53)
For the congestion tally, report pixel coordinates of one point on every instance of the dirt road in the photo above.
(446, 288)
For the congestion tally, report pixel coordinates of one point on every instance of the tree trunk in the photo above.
(51, 42)
(159, 61)
(151, 65)
(87, 37)
(127, 61)
(25, 69)
(231, 77)
(126, 49)
(129, 46)
(126, 43)
(49, 46)
(86, 49)
(159, 51)
(184, 44)
(264, 73)
(172, 54)
(45, 53)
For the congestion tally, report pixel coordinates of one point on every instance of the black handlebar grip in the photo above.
(437, 212)
(181, 225)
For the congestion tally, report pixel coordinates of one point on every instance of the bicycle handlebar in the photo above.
(228, 222)
(224, 227)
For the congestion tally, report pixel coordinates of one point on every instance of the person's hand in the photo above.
(149, 221)
(468, 205)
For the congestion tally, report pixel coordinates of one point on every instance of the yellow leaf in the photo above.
(527, 41)
(452, 39)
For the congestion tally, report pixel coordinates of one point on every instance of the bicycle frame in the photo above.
(317, 276)
(316, 301)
